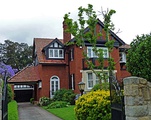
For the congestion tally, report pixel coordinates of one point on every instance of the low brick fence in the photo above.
(137, 95)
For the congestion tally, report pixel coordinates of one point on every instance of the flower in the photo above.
(7, 70)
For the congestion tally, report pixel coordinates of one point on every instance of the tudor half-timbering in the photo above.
(60, 66)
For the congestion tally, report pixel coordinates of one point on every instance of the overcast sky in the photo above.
(23, 20)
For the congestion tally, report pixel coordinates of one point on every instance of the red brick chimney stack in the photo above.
(66, 35)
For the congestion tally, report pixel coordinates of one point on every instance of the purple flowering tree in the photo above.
(6, 70)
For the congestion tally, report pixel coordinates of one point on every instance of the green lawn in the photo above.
(66, 113)
(12, 110)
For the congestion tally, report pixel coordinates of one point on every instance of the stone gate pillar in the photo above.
(137, 98)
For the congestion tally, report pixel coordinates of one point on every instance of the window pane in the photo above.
(90, 84)
(94, 55)
(90, 80)
(60, 53)
(123, 57)
(56, 53)
(89, 52)
(89, 76)
(56, 85)
(97, 80)
(52, 87)
(105, 53)
(54, 78)
(71, 55)
(50, 53)
(55, 44)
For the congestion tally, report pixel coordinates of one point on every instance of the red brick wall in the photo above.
(62, 71)
(76, 66)
(66, 35)
(124, 74)
(46, 72)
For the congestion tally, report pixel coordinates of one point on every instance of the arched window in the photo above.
(54, 85)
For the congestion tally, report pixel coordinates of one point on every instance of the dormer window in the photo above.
(55, 50)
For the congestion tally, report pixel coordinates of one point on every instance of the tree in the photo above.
(139, 57)
(6, 70)
(18, 55)
(88, 17)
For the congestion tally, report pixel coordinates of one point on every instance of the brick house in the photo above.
(59, 66)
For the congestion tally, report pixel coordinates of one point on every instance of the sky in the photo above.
(23, 20)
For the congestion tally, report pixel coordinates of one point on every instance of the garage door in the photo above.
(23, 93)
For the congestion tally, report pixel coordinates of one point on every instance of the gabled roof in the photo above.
(27, 75)
(39, 45)
(119, 40)
(126, 46)
(55, 40)
(112, 33)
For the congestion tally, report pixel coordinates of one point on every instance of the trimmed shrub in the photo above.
(10, 93)
(94, 106)
(57, 104)
(64, 95)
(44, 101)
(13, 110)
(103, 86)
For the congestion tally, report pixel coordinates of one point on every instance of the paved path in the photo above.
(27, 111)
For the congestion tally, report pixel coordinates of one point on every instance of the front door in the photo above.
(54, 85)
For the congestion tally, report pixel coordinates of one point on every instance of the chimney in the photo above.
(66, 35)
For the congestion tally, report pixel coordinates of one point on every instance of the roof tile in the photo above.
(28, 74)
(40, 43)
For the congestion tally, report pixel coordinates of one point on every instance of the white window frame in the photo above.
(54, 79)
(40, 84)
(95, 80)
(123, 57)
(90, 80)
(91, 53)
(71, 55)
(53, 53)
(72, 81)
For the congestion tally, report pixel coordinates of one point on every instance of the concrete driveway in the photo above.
(28, 111)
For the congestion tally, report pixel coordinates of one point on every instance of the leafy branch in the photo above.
(87, 17)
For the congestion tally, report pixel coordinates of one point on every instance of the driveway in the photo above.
(28, 111)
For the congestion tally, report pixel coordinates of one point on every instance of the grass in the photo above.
(66, 113)
(12, 110)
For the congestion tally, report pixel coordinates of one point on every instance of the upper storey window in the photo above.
(122, 57)
(91, 53)
(56, 51)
